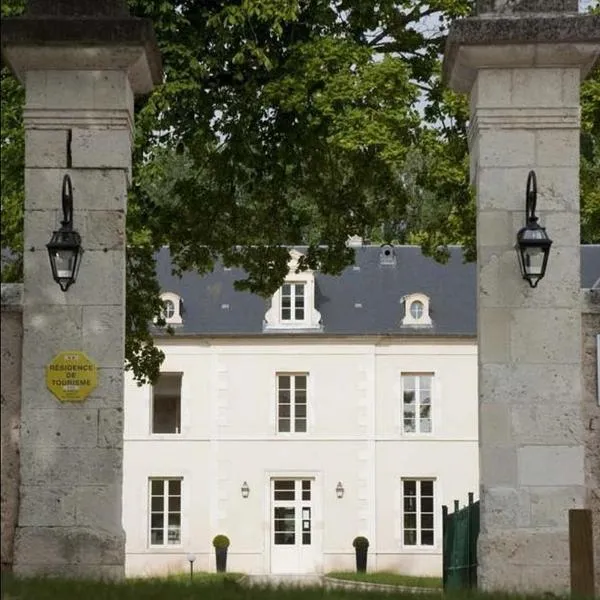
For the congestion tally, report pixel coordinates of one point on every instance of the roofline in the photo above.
(315, 337)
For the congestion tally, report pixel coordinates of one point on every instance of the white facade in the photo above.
(229, 435)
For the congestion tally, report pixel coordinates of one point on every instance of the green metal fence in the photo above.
(460, 531)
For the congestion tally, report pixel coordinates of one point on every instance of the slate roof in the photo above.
(366, 299)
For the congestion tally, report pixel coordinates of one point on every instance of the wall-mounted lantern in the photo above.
(245, 490)
(64, 247)
(533, 243)
(339, 490)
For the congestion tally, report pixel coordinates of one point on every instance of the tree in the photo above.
(282, 122)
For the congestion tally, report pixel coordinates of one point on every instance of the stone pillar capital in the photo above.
(72, 35)
(507, 42)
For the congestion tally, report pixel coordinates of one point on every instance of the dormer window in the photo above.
(293, 304)
(171, 308)
(416, 310)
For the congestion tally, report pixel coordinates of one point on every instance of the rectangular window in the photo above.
(292, 302)
(165, 512)
(166, 403)
(291, 403)
(418, 512)
(416, 402)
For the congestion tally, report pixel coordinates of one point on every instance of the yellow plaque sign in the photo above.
(71, 376)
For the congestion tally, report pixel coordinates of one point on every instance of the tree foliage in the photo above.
(287, 122)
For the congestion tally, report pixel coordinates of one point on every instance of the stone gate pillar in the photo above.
(521, 63)
(81, 62)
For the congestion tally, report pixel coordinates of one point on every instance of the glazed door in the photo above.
(292, 543)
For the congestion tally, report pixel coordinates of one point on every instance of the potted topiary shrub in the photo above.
(361, 545)
(221, 543)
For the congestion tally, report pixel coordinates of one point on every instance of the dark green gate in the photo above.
(460, 531)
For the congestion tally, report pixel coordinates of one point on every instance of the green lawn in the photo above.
(203, 588)
(389, 578)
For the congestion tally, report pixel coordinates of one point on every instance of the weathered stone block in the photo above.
(103, 332)
(99, 507)
(101, 279)
(528, 547)
(551, 466)
(571, 82)
(112, 90)
(94, 189)
(495, 228)
(97, 149)
(67, 546)
(504, 189)
(549, 424)
(38, 227)
(46, 506)
(76, 427)
(80, 466)
(46, 148)
(46, 328)
(550, 506)
(493, 87)
(102, 229)
(494, 335)
(498, 465)
(557, 336)
(495, 424)
(504, 508)
(529, 384)
(506, 148)
(110, 428)
(501, 284)
(537, 87)
(42, 466)
(557, 148)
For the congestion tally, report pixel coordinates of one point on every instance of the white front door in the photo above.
(292, 536)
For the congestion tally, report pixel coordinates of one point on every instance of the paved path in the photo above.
(275, 580)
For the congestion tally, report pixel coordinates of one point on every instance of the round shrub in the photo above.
(220, 541)
(360, 542)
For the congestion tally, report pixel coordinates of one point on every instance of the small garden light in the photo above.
(64, 247)
(191, 558)
(533, 243)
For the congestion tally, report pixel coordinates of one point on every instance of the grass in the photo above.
(209, 587)
(389, 578)
(173, 588)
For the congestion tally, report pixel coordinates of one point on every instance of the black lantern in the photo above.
(64, 248)
(533, 243)
(339, 490)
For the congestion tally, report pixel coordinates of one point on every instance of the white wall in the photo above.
(228, 436)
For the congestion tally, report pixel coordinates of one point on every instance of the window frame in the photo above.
(166, 502)
(293, 402)
(418, 390)
(179, 411)
(424, 319)
(175, 318)
(418, 512)
(294, 297)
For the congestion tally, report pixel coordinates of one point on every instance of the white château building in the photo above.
(343, 406)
